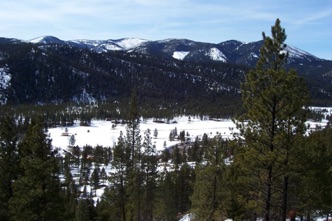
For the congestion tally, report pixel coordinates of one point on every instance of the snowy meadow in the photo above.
(104, 133)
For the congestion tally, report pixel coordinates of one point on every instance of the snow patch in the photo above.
(180, 55)
(130, 43)
(297, 53)
(216, 55)
(188, 217)
(253, 55)
(94, 43)
(112, 47)
(5, 78)
(85, 97)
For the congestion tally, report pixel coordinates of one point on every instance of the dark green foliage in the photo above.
(209, 186)
(116, 195)
(204, 199)
(85, 210)
(36, 193)
(195, 151)
(184, 187)
(273, 122)
(9, 163)
(150, 176)
(95, 179)
(133, 131)
(134, 168)
(166, 208)
(314, 174)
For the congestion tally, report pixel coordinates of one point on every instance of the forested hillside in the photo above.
(51, 71)
(56, 74)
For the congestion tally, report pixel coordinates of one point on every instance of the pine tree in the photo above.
(118, 193)
(176, 157)
(85, 210)
(165, 206)
(314, 187)
(72, 140)
(206, 198)
(134, 173)
(82, 212)
(234, 202)
(273, 99)
(149, 164)
(133, 130)
(155, 133)
(185, 177)
(203, 204)
(95, 179)
(36, 194)
(70, 190)
(9, 161)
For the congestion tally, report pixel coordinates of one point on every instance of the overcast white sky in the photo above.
(308, 23)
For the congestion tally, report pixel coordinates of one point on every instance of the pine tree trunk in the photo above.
(123, 201)
(284, 200)
(268, 195)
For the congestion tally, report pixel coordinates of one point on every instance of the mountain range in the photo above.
(231, 51)
(171, 69)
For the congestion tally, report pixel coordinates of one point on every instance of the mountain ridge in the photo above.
(50, 70)
(170, 46)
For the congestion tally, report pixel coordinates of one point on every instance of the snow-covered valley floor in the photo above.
(102, 133)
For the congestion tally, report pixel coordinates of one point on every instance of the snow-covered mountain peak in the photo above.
(130, 43)
(46, 40)
(124, 44)
(182, 41)
(231, 51)
(232, 42)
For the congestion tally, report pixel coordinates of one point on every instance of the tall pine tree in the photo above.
(134, 168)
(273, 98)
(207, 196)
(149, 167)
(36, 193)
(114, 201)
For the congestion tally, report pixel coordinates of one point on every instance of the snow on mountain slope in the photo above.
(98, 45)
(216, 55)
(236, 51)
(130, 43)
(111, 45)
(46, 40)
(86, 42)
(297, 53)
(37, 40)
(180, 55)
(5, 78)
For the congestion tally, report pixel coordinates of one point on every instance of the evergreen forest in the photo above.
(272, 170)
